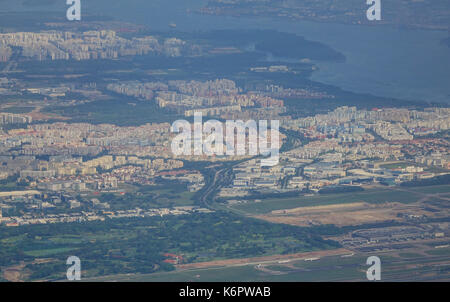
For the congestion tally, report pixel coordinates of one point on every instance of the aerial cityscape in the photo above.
(227, 141)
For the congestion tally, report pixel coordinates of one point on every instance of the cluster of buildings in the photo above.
(371, 240)
(102, 173)
(60, 181)
(391, 131)
(53, 92)
(212, 98)
(10, 118)
(250, 176)
(98, 211)
(344, 147)
(216, 87)
(5, 53)
(151, 140)
(273, 68)
(389, 124)
(351, 147)
(277, 91)
(90, 45)
(139, 90)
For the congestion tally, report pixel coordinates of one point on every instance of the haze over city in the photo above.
(224, 141)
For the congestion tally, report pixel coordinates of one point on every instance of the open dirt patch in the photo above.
(343, 214)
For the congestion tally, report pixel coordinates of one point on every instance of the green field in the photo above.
(159, 196)
(439, 251)
(410, 255)
(248, 273)
(333, 268)
(404, 164)
(18, 110)
(121, 246)
(398, 165)
(369, 196)
(431, 189)
(48, 252)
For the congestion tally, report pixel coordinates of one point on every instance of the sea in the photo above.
(380, 60)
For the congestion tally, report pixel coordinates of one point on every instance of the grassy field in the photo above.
(333, 268)
(47, 252)
(410, 255)
(369, 196)
(160, 196)
(129, 246)
(439, 251)
(248, 273)
(398, 165)
(7, 186)
(404, 164)
(18, 110)
(431, 189)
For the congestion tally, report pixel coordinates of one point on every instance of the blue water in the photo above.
(384, 61)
